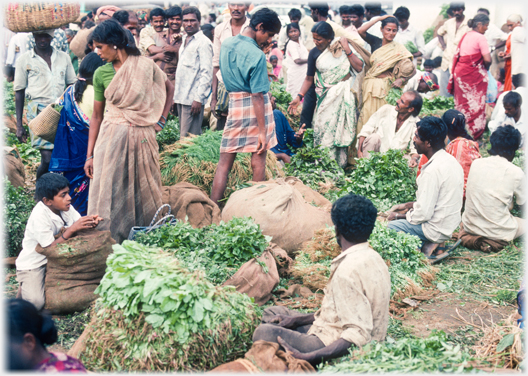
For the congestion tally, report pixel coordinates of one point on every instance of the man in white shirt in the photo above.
(17, 46)
(518, 39)
(496, 39)
(436, 212)
(449, 35)
(407, 33)
(374, 10)
(513, 115)
(320, 13)
(193, 75)
(518, 87)
(391, 127)
(492, 184)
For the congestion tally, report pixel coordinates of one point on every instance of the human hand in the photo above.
(344, 42)
(261, 145)
(196, 107)
(83, 223)
(88, 168)
(21, 134)
(413, 162)
(300, 133)
(97, 219)
(159, 56)
(292, 108)
(284, 321)
(392, 216)
(360, 154)
(214, 101)
(398, 83)
(266, 49)
(294, 352)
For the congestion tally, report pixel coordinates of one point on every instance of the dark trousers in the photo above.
(307, 114)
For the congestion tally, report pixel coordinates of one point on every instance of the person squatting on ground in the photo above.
(355, 307)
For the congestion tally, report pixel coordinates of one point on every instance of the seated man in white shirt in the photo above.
(355, 308)
(513, 115)
(518, 87)
(489, 200)
(391, 127)
(436, 212)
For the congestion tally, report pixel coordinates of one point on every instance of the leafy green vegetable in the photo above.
(436, 106)
(419, 355)
(170, 133)
(18, 205)
(411, 47)
(9, 98)
(519, 159)
(428, 35)
(384, 178)
(393, 95)
(278, 91)
(443, 11)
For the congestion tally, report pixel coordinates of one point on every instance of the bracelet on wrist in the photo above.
(62, 236)
(300, 95)
(350, 53)
(161, 124)
(164, 118)
(87, 159)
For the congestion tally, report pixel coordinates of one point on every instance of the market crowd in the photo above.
(118, 74)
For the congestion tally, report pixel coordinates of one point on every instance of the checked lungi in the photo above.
(241, 130)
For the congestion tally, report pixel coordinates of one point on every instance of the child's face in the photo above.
(274, 63)
(61, 201)
(428, 68)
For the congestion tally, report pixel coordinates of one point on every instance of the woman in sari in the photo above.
(469, 80)
(391, 66)
(71, 141)
(122, 156)
(296, 58)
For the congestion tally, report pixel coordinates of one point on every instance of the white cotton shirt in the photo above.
(498, 111)
(383, 123)
(439, 197)
(411, 34)
(492, 183)
(494, 34)
(41, 228)
(518, 39)
(506, 120)
(452, 37)
(17, 46)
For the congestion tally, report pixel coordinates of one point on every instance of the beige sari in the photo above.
(393, 56)
(126, 188)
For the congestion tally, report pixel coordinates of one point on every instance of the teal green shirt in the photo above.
(243, 65)
(101, 79)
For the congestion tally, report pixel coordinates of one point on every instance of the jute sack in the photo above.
(13, 167)
(187, 200)
(266, 357)
(253, 280)
(281, 212)
(75, 268)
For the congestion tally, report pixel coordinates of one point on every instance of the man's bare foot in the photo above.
(428, 248)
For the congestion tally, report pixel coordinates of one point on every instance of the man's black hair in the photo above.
(483, 10)
(173, 11)
(268, 18)
(322, 8)
(9, 71)
(156, 12)
(89, 24)
(122, 16)
(505, 141)
(84, 19)
(512, 98)
(373, 7)
(518, 80)
(402, 13)
(429, 63)
(89, 15)
(354, 217)
(344, 9)
(192, 10)
(208, 29)
(324, 29)
(295, 13)
(457, 5)
(356, 9)
(416, 102)
(49, 185)
(433, 130)
(438, 61)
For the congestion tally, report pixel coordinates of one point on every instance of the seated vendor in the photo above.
(285, 136)
(513, 115)
(425, 83)
(391, 127)
(436, 212)
(492, 184)
(355, 307)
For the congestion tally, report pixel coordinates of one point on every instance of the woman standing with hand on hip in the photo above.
(122, 157)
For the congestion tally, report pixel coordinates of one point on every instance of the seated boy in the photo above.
(285, 136)
(52, 212)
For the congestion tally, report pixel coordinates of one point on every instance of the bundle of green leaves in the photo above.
(418, 355)
(146, 288)
(170, 133)
(282, 101)
(18, 204)
(411, 47)
(384, 178)
(314, 165)
(9, 98)
(519, 159)
(436, 106)
(393, 95)
(217, 250)
(428, 35)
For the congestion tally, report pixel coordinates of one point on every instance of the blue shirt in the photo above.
(243, 65)
(285, 135)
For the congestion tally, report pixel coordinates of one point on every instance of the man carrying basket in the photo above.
(41, 75)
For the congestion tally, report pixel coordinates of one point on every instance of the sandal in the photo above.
(445, 254)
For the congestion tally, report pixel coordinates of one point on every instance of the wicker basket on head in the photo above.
(28, 17)
(44, 125)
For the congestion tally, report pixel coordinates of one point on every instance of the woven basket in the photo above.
(45, 124)
(28, 17)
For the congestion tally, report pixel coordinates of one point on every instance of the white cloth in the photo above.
(307, 23)
(383, 123)
(296, 72)
(339, 32)
(494, 34)
(439, 197)
(7, 34)
(43, 85)
(432, 49)
(194, 74)
(503, 119)
(411, 34)
(17, 46)
(452, 37)
(518, 39)
(41, 228)
(355, 306)
(221, 33)
(376, 30)
(498, 111)
(492, 183)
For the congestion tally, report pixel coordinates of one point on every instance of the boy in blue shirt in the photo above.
(285, 136)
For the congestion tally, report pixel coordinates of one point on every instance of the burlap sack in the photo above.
(75, 268)
(187, 200)
(266, 357)
(10, 123)
(281, 212)
(253, 280)
(79, 41)
(13, 167)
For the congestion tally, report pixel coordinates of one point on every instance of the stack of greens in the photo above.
(9, 98)
(436, 106)
(282, 101)
(384, 178)
(154, 315)
(216, 250)
(393, 95)
(428, 35)
(170, 133)
(411, 47)
(18, 205)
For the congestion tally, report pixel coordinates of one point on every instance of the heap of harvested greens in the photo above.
(154, 315)
(216, 250)
(282, 101)
(170, 133)
(384, 178)
(411, 47)
(18, 204)
(436, 106)
(194, 160)
(393, 95)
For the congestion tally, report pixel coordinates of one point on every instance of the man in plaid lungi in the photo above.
(250, 127)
